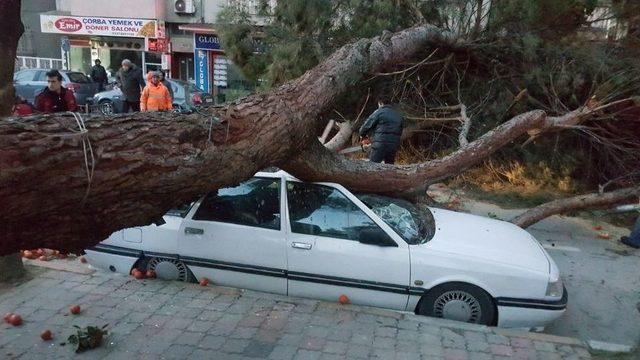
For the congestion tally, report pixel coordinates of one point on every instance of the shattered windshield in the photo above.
(415, 225)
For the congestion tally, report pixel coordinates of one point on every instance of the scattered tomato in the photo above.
(151, 274)
(15, 320)
(343, 299)
(28, 254)
(39, 252)
(604, 235)
(204, 281)
(7, 316)
(138, 274)
(74, 309)
(83, 260)
(46, 335)
(597, 227)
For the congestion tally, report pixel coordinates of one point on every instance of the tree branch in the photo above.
(581, 202)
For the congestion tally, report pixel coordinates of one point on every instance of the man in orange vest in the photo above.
(155, 96)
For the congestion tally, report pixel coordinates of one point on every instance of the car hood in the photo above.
(491, 240)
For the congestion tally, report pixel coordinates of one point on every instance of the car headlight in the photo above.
(555, 288)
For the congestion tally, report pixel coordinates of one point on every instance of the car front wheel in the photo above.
(459, 301)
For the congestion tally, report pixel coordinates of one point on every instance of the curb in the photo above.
(609, 347)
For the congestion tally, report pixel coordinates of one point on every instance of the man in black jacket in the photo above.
(386, 124)
(131, 83)
(99, 75)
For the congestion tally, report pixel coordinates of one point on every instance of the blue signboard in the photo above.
(201, 63)
(206, 41)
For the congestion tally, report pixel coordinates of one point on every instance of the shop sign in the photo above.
(206, 41)
(93, 25)
(157, 45)
(201, 64)
(220, 64)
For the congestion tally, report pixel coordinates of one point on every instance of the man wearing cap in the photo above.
(130, 80)
(155, 96)
(99, 75)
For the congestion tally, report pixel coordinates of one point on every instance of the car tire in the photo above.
(106, 107)
(459, 301)
(167, 268)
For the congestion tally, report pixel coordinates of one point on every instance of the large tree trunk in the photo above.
(581, 202)
(11, 29)
(68, 188)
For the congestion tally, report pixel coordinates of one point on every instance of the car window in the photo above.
(325, 211)
(41, 76)
(78, 77)
(181, 210)
(25, 75)
(255, 202)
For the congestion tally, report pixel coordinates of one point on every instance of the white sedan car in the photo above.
(276, 234)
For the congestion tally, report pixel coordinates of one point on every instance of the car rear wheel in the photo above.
(169, 269)
(459, 301)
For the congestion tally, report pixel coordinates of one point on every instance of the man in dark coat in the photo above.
(131, 83)
(167, 84)
(54, 97)
(99, 75)
(386, 124)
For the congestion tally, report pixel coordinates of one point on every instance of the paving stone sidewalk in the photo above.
(153, 319)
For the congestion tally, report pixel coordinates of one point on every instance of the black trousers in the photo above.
(133, 105)
(383, 152)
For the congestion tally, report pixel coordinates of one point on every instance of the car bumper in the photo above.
(530, 313)
(112, 261)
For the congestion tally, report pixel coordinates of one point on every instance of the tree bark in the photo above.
(66, 188)
(11, 29)
(581, 202)
(11, 267)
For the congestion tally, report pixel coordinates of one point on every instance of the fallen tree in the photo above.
(589, 201)
(67, 182)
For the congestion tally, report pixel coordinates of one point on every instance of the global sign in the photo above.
(206, 41)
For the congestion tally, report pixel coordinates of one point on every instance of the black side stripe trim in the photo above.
(322, 279)
(536, 303)
(250, 269)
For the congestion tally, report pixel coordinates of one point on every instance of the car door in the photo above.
(326, 258)
(235, 237)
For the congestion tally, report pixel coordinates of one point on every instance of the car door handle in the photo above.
(299, 245)
(193, 231)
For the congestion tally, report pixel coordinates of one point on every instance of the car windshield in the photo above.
(415, 225)
(78, 77)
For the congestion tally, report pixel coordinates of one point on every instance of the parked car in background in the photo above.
(277, 234)
(185, 95)
(29, 82)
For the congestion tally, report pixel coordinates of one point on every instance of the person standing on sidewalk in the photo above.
(99, 75)
(130, 79)
(633, 239)
(386, 123)
(155, 96)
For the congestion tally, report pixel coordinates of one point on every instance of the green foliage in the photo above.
(523, 55)
(87, 338)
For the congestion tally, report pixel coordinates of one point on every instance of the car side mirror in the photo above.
(159, 221)
(376, 236)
